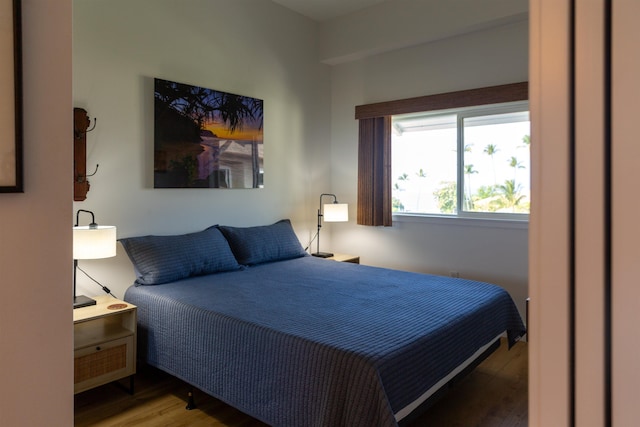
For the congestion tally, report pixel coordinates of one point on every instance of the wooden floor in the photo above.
(493, 395)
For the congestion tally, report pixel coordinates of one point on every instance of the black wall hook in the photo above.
(84, 177)
(79, 133)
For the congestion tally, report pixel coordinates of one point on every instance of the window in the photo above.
(471, 162)
(375, 140)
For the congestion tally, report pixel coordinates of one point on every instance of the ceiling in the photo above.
(323, 10)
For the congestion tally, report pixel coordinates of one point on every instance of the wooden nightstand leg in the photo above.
(527, 317)
(130, 389)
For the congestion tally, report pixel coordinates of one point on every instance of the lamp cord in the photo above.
(311, 241)
(104, 288)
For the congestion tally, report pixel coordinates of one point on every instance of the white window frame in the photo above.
(517, 219)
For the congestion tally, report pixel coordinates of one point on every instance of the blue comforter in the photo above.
(309, 342)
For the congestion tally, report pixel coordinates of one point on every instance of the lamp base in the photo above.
(323, 254)
(82, 301)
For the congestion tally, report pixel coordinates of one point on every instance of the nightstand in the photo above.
(345, 258)
(104, 348)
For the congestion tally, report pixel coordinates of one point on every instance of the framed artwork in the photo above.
(10, 97)
(204, 138)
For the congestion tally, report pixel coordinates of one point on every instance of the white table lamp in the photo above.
(91, 242)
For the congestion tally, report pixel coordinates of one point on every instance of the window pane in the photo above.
(424, 164)
(496, 163)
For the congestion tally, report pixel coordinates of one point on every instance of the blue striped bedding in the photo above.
(311, 342)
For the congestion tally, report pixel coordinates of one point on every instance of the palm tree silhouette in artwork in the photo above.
(203, 105)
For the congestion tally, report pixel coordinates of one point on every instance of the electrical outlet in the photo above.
(454, 274)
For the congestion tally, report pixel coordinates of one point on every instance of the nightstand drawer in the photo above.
(102, 363)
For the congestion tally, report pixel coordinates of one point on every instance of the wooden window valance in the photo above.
(374, 140)
(443, 101)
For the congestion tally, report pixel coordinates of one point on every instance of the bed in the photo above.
(245, 315)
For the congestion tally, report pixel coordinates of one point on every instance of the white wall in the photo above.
(36, 347)
(478, 250)
(391, 25)
(248, 47)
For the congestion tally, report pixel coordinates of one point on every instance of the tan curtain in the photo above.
(374, 171)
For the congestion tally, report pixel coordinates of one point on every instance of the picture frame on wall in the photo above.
(11, 162)
(206, 138)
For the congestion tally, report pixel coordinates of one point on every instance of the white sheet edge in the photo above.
(413, 405)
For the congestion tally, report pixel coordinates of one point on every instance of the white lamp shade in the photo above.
(94, 243)
(336, 212)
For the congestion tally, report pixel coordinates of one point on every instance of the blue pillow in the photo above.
(162, 259)
(267, 243)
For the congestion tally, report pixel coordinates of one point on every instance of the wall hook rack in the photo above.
(81, 125)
